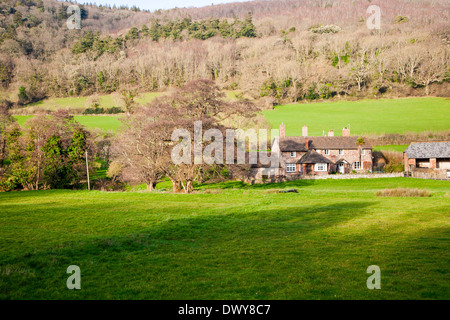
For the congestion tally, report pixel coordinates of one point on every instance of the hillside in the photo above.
(318, 50)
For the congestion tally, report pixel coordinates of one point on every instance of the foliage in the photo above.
(325, 29)
(100, 110)
(47, 153)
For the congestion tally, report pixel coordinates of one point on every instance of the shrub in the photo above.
(403, 192)
(331, 28)
(23, 97)
(394, 161)
(100, 110)
(401, 19)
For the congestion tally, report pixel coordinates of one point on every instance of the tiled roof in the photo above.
(298, 143)
(260, 164)
(313, 157)
(419, 150)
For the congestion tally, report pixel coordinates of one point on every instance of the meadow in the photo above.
(228, 241)
(105, 101)
(364, 116)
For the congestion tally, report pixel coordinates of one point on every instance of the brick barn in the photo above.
(423, 156)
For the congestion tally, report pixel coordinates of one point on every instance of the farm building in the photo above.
(428, 157)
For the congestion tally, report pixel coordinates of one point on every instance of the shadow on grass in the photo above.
(259, 186)
(190, 247)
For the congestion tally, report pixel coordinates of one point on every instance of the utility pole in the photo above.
(87, 171)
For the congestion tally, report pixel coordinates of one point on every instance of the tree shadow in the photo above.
(259, 186)
(203, 248)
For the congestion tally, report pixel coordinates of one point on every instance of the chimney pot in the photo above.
(282, 130)
(346, 132)
(305, 131)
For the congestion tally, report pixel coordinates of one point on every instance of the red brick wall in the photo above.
(433, 163)
(350, 155)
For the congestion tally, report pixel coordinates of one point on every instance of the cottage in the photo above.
(429, 156)
(318, 155)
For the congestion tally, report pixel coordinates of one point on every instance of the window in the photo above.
(293, 154)
(327, 152)
(357, 165)
(341, 152)
(363, 152)
(290, 167)
(321, 167)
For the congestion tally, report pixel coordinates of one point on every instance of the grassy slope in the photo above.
(242, 243)
(102, 122)
(364, 116)
(105, 101)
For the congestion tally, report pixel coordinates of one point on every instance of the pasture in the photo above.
(364, 116)
(228, 241)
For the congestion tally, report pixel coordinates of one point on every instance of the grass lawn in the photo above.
(364, 116)
(239, 243)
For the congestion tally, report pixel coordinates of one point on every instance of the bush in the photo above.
(331, 28)
(100, 110)
(394, 161)
(403, 192)
(401, 19)
(23, 97)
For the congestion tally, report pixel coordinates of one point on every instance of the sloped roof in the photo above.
(419, 150)
(313, 157)
(298, 143)
(260, 164)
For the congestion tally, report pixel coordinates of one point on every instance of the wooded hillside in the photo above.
(282, 51)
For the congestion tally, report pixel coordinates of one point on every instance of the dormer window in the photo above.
(293, 154)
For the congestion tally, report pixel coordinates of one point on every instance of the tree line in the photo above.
(169, 29)
(276, 60)
(49, 151)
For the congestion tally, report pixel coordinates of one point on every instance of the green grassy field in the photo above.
(108, 123)
(241, 243)
(364, 116)
(105, 101)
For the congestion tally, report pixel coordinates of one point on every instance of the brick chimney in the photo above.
(307, 144)
(282, 130)
(305, 131)
(346, 132)
(331, 133)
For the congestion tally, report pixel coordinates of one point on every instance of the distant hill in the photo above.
(274, 51)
